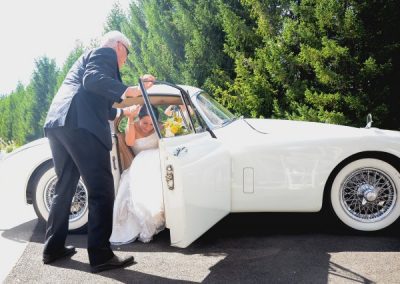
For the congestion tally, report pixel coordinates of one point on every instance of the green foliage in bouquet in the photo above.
(173, 126)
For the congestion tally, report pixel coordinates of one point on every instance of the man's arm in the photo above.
(100, 72)
(114, 113)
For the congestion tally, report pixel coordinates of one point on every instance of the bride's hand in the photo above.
(132, 111)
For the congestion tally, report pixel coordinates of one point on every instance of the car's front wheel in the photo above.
(44, 183)
(365, 194)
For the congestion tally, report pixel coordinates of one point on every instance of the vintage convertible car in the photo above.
(214, 163)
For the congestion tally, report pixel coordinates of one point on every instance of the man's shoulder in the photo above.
(106, 51)
(102, 54)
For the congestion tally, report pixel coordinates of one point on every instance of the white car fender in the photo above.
(22, 162)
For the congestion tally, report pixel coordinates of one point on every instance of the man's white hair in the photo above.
(111, 39)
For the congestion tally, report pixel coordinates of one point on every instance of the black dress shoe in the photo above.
(66, 251)
(114, 262)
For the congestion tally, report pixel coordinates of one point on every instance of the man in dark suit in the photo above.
(77, 126)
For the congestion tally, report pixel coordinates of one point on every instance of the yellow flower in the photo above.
(178, 119)
(173, 126)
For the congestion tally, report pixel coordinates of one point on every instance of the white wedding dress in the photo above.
(138, 206)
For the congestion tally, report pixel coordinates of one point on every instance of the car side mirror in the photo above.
(369, 121)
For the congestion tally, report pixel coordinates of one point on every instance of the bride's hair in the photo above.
(143, 112)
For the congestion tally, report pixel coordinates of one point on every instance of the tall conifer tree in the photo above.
(44, 80)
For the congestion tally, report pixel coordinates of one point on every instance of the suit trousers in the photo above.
(78, 153)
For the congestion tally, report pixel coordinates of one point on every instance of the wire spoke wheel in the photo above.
(364, 194)
(368, 195)
(79, 202)
(44, 184)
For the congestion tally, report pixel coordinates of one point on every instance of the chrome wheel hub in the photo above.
(79, 201)
(368, 192)
(368, 195)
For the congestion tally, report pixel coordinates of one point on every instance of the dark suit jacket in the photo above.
(87, 94)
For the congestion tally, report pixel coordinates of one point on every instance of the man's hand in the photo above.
(132, 92)
(148, 80)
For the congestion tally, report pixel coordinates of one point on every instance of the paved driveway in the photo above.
(242, 248)
(17, 219)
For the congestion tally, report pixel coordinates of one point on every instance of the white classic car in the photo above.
(214, 163)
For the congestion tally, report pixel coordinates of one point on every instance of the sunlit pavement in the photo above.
(242, 248)
(17, 220)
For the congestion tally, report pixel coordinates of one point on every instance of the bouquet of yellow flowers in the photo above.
(173, 126)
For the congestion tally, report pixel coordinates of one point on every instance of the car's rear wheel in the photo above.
(365, 194)
(43, 192)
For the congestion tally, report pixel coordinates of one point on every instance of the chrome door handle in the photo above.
(114, 163)
(169, 177)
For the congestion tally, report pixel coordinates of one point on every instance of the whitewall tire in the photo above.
(365, 194)
(43, 192)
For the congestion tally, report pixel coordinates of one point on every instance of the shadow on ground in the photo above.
(21, 233)
(245, 248)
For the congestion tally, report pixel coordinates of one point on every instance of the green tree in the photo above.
(245, 89)
(177, 40)
(20, 115)
(72, 57)
(202, 39)
(320, 60)
(334, 63)
(5, 116)
(15, 116)
(115, 19)
(44, 80)
(156, 45)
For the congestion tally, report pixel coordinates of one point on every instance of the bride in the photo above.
(138, 207)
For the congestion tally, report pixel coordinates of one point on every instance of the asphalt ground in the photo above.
(241, 248)
(17, 219)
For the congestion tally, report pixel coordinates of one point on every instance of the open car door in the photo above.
(196, 173)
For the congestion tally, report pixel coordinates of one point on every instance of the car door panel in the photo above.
(196, 173)
(201, 195)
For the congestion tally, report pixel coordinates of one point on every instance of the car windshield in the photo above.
(213, 111)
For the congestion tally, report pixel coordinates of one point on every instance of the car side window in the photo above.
(214, 112)
(174, 120)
